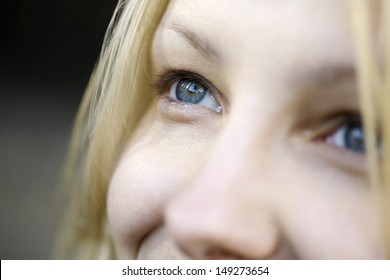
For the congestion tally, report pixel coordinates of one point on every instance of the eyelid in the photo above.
(327, 127)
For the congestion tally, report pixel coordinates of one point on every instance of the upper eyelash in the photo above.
(163, 80)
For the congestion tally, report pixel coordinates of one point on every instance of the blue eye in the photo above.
(349, 136)
(192, 92)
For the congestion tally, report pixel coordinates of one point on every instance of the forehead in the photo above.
(252, 32)
(247, 13)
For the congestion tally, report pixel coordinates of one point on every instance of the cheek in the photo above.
(330, 216)
(149, 174)
(140, 187)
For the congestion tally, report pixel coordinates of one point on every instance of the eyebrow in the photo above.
(327, 75)
(197, 42)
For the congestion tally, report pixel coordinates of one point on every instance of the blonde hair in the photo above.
(374, 93)
(112, 107)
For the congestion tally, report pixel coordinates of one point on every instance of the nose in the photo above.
(227, 211)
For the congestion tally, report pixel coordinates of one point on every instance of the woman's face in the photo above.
(254, 148)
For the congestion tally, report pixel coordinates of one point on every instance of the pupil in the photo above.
(192, 88)
(354, 139)
(190, 92)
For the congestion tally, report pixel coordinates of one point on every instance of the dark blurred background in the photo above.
(47, 52)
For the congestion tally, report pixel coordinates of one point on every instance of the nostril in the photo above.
(215, 253)
(204, 250)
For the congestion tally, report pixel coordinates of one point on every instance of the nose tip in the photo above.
(220, 230)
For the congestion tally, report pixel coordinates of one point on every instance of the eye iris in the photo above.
(354, 139)
(191, 92)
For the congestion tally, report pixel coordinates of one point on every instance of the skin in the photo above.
(265, 178)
